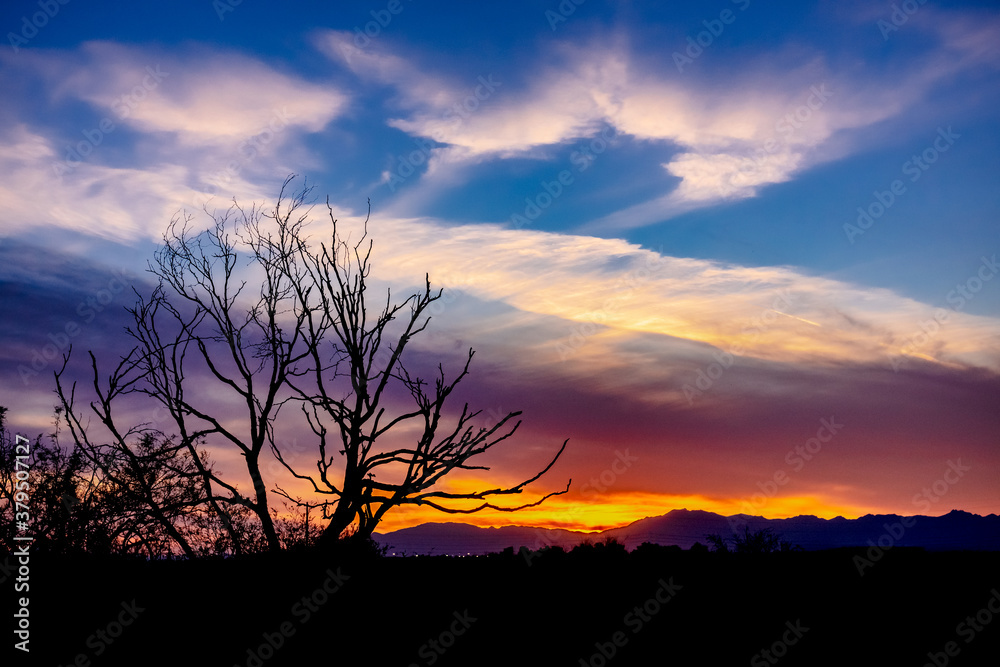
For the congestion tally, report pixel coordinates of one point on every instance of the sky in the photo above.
(741, 254)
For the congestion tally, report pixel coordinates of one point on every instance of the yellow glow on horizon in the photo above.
(614, 511)
(595, 513)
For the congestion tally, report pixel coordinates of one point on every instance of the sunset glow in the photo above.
(616, 512)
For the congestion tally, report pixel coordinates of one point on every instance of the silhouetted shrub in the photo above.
(763, 541)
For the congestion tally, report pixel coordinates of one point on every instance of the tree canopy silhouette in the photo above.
(254, 313)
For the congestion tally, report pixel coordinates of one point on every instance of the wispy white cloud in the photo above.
(724, 138)
(616, 289)
(593, 300)
(116, 203)
(494, 121)
(200, 95)
(200, 122)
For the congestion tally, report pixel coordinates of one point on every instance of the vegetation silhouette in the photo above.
(556, 606)
(762, 541)
(93, 499)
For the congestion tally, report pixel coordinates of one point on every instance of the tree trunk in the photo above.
(342, 518)
(175, 534)
(260, 507)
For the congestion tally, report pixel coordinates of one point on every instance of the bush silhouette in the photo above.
(761, 541)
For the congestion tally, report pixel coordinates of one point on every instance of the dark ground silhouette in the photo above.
(597, 605)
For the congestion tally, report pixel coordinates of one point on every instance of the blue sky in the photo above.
(616, 194)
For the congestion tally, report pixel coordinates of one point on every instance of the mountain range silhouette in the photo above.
(955, 531)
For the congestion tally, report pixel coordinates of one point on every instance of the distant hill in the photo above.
(460, 539)
(956, 530)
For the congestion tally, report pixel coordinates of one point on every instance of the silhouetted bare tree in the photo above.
(356, 357)
(200, 326)
(307, 334)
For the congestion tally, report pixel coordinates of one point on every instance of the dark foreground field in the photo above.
(600, 607)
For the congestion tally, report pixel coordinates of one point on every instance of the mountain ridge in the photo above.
(956, 530)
